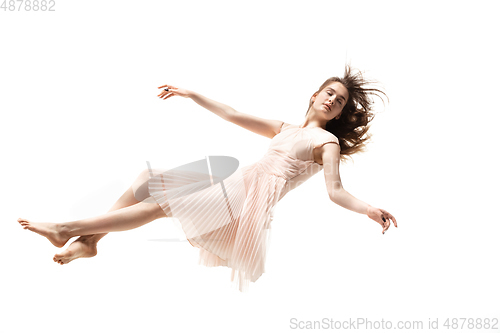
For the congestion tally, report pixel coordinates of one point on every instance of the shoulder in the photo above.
(285, 126)
(325, 136)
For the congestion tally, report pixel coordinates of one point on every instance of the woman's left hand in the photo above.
(382, 217)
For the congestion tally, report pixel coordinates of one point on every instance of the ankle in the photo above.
(64, 230)
(96, 238)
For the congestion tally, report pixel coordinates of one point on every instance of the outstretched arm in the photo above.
(330, 153)
(266, 127)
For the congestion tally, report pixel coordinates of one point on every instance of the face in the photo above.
(331, 100)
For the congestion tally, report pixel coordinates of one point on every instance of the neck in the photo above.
(312, 121)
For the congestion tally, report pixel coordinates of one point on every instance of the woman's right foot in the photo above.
(83, 247)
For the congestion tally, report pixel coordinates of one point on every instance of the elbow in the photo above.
(336, 193)
(333, 197)
(228, 113)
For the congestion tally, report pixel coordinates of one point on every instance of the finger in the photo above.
(389, 216)
(390, 220)
(386, 224)
(169, 95)
(169, 91)
(394, 221)
(168, 86)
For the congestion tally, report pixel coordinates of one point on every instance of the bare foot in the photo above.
(83, 247)
(49, 230)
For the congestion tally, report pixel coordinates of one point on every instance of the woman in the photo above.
(233, 231)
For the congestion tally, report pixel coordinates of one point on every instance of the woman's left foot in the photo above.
(83, 247)
(49, 230)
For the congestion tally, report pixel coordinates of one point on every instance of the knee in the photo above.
(157, 211)
(140, 186)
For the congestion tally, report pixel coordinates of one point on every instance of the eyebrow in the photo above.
(335, 92)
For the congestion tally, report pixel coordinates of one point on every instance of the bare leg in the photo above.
(120, 220)
(86, 246)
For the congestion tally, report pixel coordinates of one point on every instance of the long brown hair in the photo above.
(352, 127)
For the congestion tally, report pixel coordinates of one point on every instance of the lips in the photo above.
(328, 106)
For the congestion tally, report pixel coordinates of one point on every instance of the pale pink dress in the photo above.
(230, 223)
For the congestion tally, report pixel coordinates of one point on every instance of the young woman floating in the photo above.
(230, 223)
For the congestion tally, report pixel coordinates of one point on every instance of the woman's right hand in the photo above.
(173, 91)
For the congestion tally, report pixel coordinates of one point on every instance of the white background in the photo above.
(80, 118)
